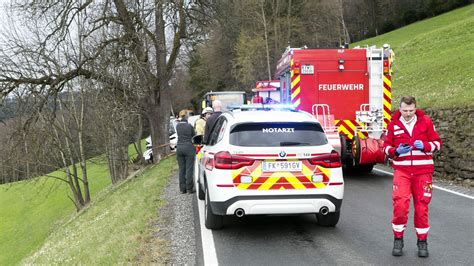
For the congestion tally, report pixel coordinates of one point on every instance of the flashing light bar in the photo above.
(247, 107)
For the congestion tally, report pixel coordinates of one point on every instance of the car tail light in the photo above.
(330, 160)
(225, 160)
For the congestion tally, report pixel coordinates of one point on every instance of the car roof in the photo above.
(271, 116)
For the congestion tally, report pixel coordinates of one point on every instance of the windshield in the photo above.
(229, 99)
(277, 134)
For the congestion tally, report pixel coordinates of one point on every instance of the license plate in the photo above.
(286, 166)
(307, 69)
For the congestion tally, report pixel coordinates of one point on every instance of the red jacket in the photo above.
(416, 161)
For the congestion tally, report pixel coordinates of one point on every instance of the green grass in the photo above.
(31, 210)
(434, 60)
(110, 230)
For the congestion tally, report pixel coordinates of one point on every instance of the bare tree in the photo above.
(148, 34)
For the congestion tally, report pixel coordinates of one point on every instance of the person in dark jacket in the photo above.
(185, 153)
(211, 121)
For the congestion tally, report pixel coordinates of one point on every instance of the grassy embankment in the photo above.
(38, 213)
(113, 229)
(31, 210)
(434, 60)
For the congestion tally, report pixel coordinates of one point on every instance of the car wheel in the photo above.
(330, 219)
(212, 221)
(201, 194)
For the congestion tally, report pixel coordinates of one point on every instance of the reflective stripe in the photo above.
(413, 162)
(398, 132)
(399, 227)
(433, 146)
(386, 150)
(438, 145)
(422, 230)
(415, 152)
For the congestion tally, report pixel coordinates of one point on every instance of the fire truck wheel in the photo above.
(356, 149)
(365, 168)
(344, 154)
(358, 169)
(329, 219)
(212, 221)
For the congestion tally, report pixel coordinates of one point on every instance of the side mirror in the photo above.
(197, 140)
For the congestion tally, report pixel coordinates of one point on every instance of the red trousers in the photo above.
(420, 187)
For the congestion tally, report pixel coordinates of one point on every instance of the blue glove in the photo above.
(402, 149)
(419, 145)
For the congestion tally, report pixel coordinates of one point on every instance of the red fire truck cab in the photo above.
(348, 91)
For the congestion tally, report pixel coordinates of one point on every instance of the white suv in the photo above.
(269, 162)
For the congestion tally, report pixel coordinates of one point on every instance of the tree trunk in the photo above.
(158, 116)
(138, 140)
(266, 39)
(288, 21)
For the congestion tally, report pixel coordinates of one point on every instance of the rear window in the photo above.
(277, 134)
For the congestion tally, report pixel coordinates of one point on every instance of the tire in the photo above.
(345, 155)
(329, 220)
(201, 194)
(356, 149)
(212, 221)
(359, 169)
(365, 168)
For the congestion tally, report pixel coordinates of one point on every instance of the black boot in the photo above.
(422, 248)
(397, 247)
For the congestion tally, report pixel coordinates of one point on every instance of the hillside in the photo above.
(434, 59)
(30, 210)
(114, 227)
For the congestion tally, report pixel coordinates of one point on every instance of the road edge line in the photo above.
(208, 251)
(207, 239)
(435, 186)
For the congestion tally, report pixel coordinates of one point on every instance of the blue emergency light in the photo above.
(264, 107)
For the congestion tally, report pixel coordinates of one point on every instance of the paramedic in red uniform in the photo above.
(410, 142)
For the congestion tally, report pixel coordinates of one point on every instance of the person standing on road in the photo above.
(411, 140)
(185, 153)
(201, 122)
(211, 121)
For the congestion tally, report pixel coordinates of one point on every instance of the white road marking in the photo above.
(435, 186)
(208, 246)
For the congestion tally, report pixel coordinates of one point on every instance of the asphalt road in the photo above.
(362, 236)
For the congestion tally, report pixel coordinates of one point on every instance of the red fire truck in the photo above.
(348, 91)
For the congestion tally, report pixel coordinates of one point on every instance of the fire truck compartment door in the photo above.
(343, 91)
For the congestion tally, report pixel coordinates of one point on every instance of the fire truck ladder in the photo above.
(323, 114)
(371, 119)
